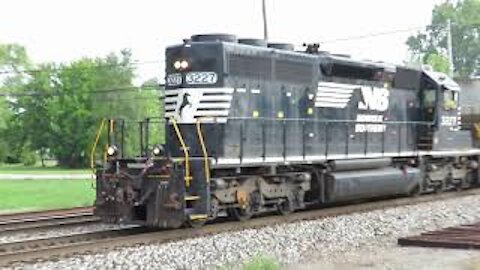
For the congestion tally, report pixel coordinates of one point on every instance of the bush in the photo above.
(28, 158)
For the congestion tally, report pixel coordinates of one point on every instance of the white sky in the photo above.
(63, 30)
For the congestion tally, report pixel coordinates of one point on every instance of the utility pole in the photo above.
(450, 48)
(264, 11)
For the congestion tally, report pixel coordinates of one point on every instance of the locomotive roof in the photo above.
(323, 57)
(247, 49)
(354, 62)
(443, 80)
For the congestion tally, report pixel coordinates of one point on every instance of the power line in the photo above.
(98, 91)
(392, 32)
(377, 34)
(37, 70)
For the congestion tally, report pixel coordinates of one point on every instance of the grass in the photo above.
(256, 263)
(37, 169)
(32, 195)
(261, 263)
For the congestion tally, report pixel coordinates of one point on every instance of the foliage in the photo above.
(55, 109)
(4, 150)
(70, 100)
(438, 62)
(465, 21)
(13, 56)
(13, 59)
(28, 158)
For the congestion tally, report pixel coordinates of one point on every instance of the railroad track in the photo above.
(42, 220)
(32, 250)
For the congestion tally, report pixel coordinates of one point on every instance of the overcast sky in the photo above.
(59, 30)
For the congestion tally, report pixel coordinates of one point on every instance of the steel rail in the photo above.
(65, 246)
(31, 221)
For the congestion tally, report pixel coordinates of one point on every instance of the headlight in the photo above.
(112, 150)
(177, 65)
(157, 150)
(184, 64)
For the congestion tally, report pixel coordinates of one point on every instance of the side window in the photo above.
(429, 98)
(450, 99)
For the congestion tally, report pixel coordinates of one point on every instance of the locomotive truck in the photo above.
(254, 127)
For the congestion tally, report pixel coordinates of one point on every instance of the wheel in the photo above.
(459, 187)
(197, 223)
(285, 207)
(467, 182)
(438, 189)
(214, 208)
(415, 192)
(241, 213)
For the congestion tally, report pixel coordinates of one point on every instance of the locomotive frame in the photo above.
(254, 127)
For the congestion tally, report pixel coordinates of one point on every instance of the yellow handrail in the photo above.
(111, 125)
(97, 138)
(185, 153)
(204, 151)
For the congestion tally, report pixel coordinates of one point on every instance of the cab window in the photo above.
(450, 99)
(429, 98)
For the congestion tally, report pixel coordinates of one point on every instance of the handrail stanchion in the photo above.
(115, 133)
(147, 134)
(123, 138)
(217, 136)
(264, 140)
(366, 140)
(204, 151)
(347, 137)
(242, 123)
(141, 137)
(399, 138)
(185, 153)
(109, 137)
(326, 139)
(383, 139)
(304, 149)
(284, 139)
(94, 147)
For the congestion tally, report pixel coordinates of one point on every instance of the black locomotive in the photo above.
(253, 127)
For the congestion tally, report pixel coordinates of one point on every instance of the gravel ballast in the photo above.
(57, 232)
(290, 244)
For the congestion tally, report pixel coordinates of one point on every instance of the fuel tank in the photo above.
(360, 184)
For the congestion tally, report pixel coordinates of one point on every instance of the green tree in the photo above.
(465, 20)
(56, 108)
(438, 62)
(13, 60)
(70, 100)
(59, 115)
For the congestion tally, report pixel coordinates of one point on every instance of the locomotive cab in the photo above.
(440, 104)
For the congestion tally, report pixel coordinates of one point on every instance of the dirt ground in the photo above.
(398, 258)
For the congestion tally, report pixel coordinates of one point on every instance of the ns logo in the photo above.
(374, 99)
